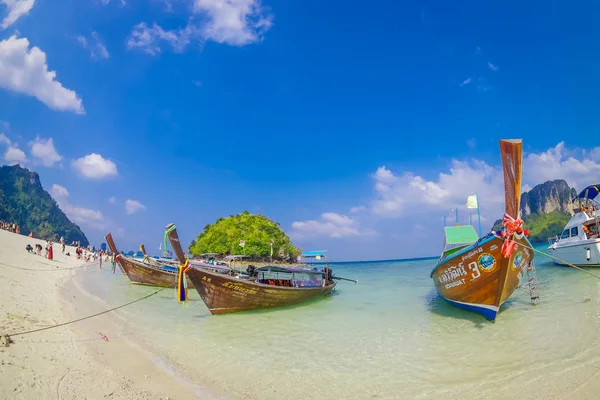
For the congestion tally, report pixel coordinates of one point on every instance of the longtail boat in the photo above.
(263, 287)
(113, 249)
(151, 273)
(480, 274)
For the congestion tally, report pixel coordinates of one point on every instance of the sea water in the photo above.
(389, 337)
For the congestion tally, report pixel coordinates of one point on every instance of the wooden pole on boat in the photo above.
(111, 244)
(174, 239)
(512, 156)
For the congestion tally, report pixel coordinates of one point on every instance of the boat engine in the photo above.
(251, 270)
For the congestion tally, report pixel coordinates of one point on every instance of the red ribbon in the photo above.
(513, 228)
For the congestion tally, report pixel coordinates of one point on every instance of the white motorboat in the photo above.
(579, 242)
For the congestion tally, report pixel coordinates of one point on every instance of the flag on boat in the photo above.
(472, 201)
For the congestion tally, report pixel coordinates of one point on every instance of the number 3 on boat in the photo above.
(480, 274)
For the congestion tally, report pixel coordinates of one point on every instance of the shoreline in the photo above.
(74, 361)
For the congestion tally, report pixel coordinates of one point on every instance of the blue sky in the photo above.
(356, 127)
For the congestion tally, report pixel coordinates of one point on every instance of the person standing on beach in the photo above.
(50, 251)
(100, 258)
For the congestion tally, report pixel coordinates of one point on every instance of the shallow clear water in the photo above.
(389, 337)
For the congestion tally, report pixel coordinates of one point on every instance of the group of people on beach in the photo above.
(49, 251)
(11, 227)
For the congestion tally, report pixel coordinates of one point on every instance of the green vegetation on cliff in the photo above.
(23, 201)
(257, 231)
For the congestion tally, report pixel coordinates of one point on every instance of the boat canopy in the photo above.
(592, 191)
(234, 257)
(273, 268)
(319, 253)
(457, 235)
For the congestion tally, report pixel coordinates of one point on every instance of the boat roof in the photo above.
(233, 257)
(593, 191)
(464, 234)
(314, 253)
(276, 268)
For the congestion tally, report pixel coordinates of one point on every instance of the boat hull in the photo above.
(142, 274)
(479, 278)
(577, 253)
(226, 294)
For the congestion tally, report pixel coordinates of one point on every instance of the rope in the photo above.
(564, 262)
(81, 319)
(557, 259)
(43, 269)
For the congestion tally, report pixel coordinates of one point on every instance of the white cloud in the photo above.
(24, 70)
(15, 155)
(578, 167)
(492, 67)
(94, 166)
(148, 38)
(4, 139)
(465, 82)
(330, 225)
(58, 191)
(357, 209)
(407, 193)
(112, 200)
(44, 151)
(122, 3)
(97, 50)
(232, 22)
(15, 9)
(79, 215)
(133, 206)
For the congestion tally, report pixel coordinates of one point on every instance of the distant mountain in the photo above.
(24, 202)
(546, 209)
(547, 197)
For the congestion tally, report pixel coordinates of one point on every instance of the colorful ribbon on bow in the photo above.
(182, 292)
(513, 228)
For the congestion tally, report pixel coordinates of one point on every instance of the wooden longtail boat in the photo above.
(113, 249)
(263, 288)
(480, 274)
(151, 273)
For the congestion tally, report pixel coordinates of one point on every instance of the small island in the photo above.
(252, 235)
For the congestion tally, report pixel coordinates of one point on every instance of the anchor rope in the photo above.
(83, 318)
(557, 259)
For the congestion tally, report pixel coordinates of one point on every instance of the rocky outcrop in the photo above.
(548, 197)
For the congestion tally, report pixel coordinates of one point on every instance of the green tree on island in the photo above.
(223, 237)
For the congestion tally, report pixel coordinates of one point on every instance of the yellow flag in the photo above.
(472, 201)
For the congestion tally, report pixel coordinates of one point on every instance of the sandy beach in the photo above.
(73, 361)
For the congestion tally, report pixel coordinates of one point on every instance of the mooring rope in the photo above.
(562, 261)
(555, 258)
(7, 337)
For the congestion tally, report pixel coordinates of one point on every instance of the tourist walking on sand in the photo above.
(50, 251)
(100, 258)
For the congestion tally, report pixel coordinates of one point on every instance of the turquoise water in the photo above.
(389, 337)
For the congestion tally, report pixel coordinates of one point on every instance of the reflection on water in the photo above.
(389, 337)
